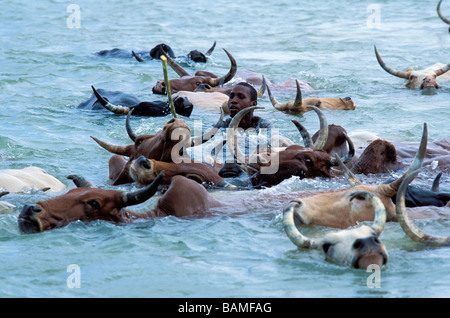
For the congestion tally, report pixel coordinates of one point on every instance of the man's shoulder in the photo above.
(263, 123)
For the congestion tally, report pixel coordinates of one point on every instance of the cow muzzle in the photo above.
(27, 220)
(368, 251)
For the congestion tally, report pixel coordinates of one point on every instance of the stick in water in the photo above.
(166, 81)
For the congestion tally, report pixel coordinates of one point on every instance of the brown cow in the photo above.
(86, 203)
(420, 79)
(163, 146)
(144, 171)
(441, 15)
(187, 82)
(275, 165)
(89, 204)
(299, 105)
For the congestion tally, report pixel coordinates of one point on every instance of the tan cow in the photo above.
(357, 247)
(335, 209)
(300, 105)
(420, 79)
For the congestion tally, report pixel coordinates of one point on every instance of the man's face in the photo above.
(239, 99)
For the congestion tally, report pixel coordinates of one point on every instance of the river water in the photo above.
(47, 67)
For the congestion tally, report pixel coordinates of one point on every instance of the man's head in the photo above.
(242, 95)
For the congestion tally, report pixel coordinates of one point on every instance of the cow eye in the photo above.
(412, 77)
(94, 204)
(326, 247)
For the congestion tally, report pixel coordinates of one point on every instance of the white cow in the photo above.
(29, 178)
(419, 79)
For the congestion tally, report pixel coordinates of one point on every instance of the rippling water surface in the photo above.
(47, 68)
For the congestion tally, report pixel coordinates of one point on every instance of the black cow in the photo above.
(416, 196)
(156, 52)
(122, 103)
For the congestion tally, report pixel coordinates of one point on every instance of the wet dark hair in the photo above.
(253, 92)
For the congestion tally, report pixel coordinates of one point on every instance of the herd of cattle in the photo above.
(148, 161)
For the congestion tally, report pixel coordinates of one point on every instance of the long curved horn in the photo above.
(351, 178)
(442, 70)
(116, 149)
(209, 52)
(111, 107)
(323, 132)
(284, 107)
(291, 230)
(410, 229)
(350, 153)
(392, 188)
(388, 69)
(262, 89)
(378, 206)
(307, 140)
(80, 182)
(435, 186)
(231, 133)
(128, 128)
(440, 13)
(195, 141)
(137, 57)
(3, 193)
(229, 75)
(175, 66)
(141, 195)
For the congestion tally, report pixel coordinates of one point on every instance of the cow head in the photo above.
(356, 247)
(336, 209)
(166, 145)
(158, 50)
(422, 79)
(300, 105)
(441, 15)
(294, 160)
(187, 82)
(83, 204)
(144, 171)
(380, 156)
(198, 56)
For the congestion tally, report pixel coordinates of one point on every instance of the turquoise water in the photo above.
(47, 68)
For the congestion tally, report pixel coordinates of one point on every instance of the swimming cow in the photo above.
(420, 79)
(187, 82)
(299, 105)
(167, 145)
(156, 52)
(122, 103)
